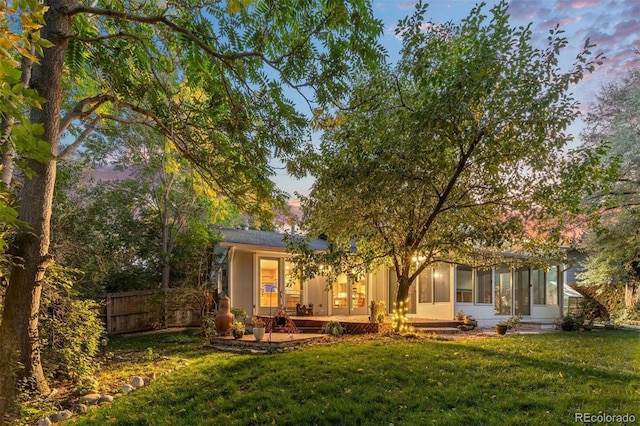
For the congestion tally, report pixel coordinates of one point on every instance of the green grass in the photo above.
(532, 379)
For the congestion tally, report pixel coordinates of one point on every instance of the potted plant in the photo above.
(237, 330)
(501, 328)
(460, 315)
(508, 324)
(281, 317)
(239, 314)
(258, 328)
(568, 322)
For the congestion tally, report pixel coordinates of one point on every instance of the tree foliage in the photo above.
(18, 136)
(614, 247)
(461, 146)
(215, 78)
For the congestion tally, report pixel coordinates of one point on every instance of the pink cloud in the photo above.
(578, 4)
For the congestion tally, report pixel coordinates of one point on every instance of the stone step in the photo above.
(435, 324)
(438, 330)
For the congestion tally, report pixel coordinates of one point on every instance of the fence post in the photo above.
(109, 312)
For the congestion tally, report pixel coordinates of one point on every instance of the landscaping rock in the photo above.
(137, 382)
(126, 388)
(61, 416)
(80, 408)
(44, 422)
(105, 399)
(147, 381)
(90, 399)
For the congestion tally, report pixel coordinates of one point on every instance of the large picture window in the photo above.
(464, 284)
(484, 286)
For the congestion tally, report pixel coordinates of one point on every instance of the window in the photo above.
(292, 288)
(340, 292)
(464, 284)
(537, 281)
(545, 286)
(269, 283)
(521, 292)
(425, 281)
(552, 286)
(358, 294)
(484, 285)
(442, 284)
(503, 295)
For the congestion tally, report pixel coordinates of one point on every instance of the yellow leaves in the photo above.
(28, 23)
(235, 6)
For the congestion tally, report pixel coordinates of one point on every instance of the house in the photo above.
(255, 276)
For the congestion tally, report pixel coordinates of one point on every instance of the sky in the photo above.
(612, 25)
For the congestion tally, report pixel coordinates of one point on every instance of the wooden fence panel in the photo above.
(129, 312)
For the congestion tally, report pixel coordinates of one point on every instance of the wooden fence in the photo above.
(130, 312)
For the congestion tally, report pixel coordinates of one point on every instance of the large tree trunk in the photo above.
(19, 339)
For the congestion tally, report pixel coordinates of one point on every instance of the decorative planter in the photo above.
(258, 333)
(501, 329)
(224, 319)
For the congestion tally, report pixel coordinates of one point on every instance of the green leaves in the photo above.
(613, 134)
(457, 148)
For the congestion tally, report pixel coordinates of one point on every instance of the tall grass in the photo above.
(532, 379)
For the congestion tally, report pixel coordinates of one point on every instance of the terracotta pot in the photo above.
(258, 333)
(501, 329)
(224, 319)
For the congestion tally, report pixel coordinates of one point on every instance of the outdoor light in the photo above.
(103, 342)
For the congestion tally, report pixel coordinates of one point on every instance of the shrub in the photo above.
(334, 328)
(70, 328)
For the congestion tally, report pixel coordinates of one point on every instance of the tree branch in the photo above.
(69, 150)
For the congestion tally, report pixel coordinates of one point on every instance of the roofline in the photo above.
(227, 244)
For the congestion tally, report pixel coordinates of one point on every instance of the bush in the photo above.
(70, 328)
(334, 328)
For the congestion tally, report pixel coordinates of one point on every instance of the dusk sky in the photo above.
(613, 25)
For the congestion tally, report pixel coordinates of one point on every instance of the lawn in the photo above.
(519, 379)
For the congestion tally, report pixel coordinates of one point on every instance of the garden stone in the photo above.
(105, 399)
(80, 408)
(61, 416)
(137, 382)
(44, 422)
(126, 388)
(90, 399)
(147, 381)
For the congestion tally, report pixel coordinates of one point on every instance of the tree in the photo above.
(208, 74)
(459, 148)
(614, 248)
